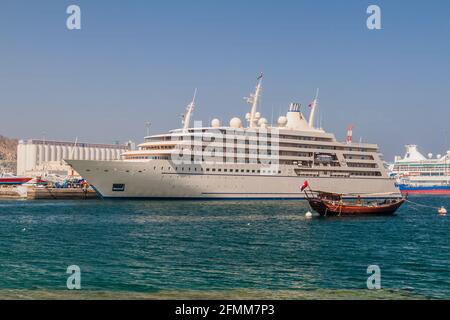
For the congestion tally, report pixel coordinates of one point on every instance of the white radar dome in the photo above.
(282, 121)
(262, 121)
(235, 123)
(257, 115)
(430, 155)
(247, 116)
(215, 123)
(439, 156)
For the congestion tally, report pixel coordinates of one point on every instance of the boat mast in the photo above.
(189, 111)
(313, 109)
(253, 100)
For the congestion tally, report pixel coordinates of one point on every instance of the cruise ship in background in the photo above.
(417, 174)
(255, 160)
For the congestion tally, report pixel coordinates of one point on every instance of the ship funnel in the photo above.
(294, 107)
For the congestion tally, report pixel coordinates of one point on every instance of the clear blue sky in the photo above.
(137, 61)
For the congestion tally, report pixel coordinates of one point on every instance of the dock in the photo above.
(39, 193)
(9, 193)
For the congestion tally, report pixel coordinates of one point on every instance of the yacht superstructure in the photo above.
(253, 161)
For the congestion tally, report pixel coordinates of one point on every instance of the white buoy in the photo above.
(442, 211)
(308, 215)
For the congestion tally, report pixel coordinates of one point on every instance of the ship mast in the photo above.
(189, 111)
(313, 109)
(253, 100)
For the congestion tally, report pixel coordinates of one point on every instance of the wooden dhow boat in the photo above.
(333, 204)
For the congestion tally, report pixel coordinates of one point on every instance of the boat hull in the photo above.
(158, 179)
(327, 208)
(425, 190)
(13, 181)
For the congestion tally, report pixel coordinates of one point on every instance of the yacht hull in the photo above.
(158, 179)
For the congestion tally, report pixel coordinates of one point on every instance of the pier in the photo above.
(39, 193)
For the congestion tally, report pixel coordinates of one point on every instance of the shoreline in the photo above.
(238, 294)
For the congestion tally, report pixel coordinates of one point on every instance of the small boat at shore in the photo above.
(333, 204)
(9, 179)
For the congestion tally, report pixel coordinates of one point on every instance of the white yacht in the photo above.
(251, 160)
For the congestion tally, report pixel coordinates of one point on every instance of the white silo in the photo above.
(65, 152)
(58, 153)
(108, 154)
(91, 154)
(21, 158)
(46, 153)
(80, 153)
(52, 153)
(31, 155)
(75, 153)
(40, 154)
(102, 154)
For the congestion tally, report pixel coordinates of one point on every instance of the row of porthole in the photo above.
(211, 170)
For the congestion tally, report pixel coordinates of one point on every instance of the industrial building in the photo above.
(35, 157)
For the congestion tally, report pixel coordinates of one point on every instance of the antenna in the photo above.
(190, 109)
(147, 126)
(253, 100)
(313, 106)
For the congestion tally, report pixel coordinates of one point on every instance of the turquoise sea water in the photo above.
(196, 248)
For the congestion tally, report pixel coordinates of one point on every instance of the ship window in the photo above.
(106, 170)
(118, 187)
(207, 169)
(225, 170)
(88, 170)
(220, 170)
(214, 170)
(242, 170)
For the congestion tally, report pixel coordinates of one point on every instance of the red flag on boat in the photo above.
(305, 185)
